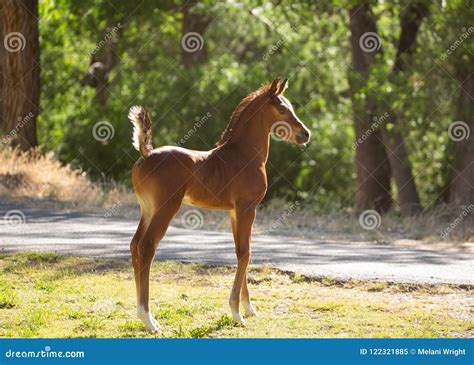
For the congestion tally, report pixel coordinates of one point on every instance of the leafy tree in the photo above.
(94, 70)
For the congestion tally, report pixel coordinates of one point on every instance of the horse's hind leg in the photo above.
(146, 249)
(134, 249)
(249, 309)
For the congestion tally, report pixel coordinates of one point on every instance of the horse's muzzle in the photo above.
(303, 137)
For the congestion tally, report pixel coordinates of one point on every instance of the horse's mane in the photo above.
(235, 118)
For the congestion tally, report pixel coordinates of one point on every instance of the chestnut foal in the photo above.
(231, 177)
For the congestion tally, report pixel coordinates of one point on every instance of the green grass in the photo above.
(48, 295)
(7, 295)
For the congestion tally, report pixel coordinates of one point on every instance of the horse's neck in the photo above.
(252, 143)
(258, 147)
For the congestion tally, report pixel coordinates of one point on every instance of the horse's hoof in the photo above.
(250, 311)
(149, 322)
(238, 318)
(154, 327)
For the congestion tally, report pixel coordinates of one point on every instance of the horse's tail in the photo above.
(142, 137)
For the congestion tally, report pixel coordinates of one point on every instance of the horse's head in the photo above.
(281, 117)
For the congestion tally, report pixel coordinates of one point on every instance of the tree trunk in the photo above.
(372, 168)
(20, 66)
(400, 165)
(193, 45)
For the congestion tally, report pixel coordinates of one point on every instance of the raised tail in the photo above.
(142, 137)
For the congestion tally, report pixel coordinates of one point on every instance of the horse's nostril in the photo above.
(306, 134)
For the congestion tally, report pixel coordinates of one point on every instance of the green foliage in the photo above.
(248, 44)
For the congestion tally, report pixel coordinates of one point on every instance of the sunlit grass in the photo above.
(41, 179)
(47, 295)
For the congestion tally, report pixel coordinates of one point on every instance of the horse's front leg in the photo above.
(242, 217)
(249, 309)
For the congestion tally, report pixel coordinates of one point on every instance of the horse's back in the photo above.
(165, 171)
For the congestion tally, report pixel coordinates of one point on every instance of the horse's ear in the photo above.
(283, 86)
(275, 87)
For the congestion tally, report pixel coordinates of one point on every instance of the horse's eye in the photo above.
(282, 110)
